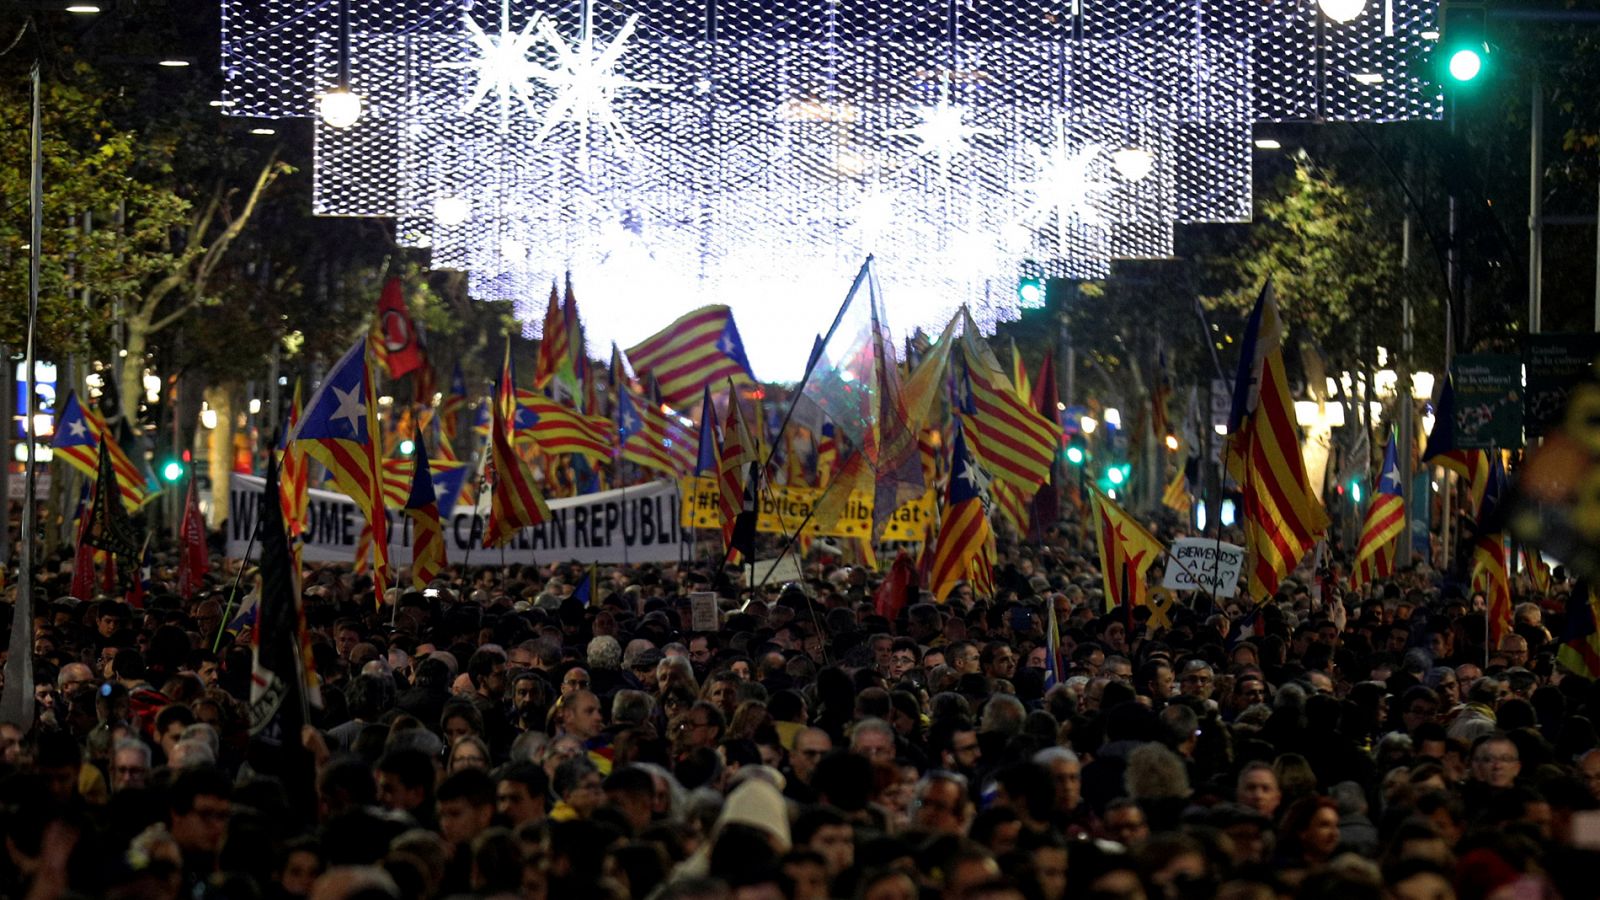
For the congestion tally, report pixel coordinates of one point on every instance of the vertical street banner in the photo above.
(1555, 363)
(1489, 392)
(628, 525)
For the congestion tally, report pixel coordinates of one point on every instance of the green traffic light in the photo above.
(407, 447)
(172, 470)
(1116, 475)
(1465, 64)
(1075, 455)
(1355, 492)
(1030, 293)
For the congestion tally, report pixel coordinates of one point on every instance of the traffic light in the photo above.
(172, 470)
(1463, 45)
(1355, 491)
(1117, 475)
(407, 447)
(1076, 454)
(1030, 292)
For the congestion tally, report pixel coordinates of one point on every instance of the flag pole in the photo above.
(233, 593)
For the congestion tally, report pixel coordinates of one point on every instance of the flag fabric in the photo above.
(557, 428)
(1579, 652)
(1490, 573)
(1443, 450)
(139, 584)
(648, 437)
(110, 529)
(83, 561)
(1375, 552)
(1282, 516)
(455, 400)
(708, 453)
(427, 532)
(1008, 436)
(280, 690)
(964, 534)
(1160, 425)
(899, 590)
(515, 501)
(1538, 572)
(294, 482)
(584, 593)
(701, 348)
(1046, 511)
(395, 340)
(1019, 374)
(1126, 548)
(79, 434)
(738, 453)
(555, 343)
(339, 428)
(1175, 496)
(193, 560)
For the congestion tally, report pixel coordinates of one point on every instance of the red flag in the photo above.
(896, 590)
(1047, 503)
(401, 350)
(83, 560)
(193, 562)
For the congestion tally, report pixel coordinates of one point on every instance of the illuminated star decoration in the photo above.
(586, 82)
(501, 64)
(1066, 187)
(943, 131)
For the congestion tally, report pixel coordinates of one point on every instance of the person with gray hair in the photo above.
(130, 764)
(190, 753)
(1004, 715)
(629, 708)
(1157, 778)
(1067, 773)
(1180, 726)
(604, 653)
(874, 739)
(1356, 831)
(942, 804)
(1444, 682)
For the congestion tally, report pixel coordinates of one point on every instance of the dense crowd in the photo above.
(496, 736)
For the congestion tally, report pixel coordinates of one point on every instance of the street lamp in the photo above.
(1342, 11)
(340, 107)
(1133, 163)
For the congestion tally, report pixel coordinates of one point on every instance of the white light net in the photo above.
(751, 152)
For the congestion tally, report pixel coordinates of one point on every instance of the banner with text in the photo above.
(783, 508)
(632, 525)
(1204, 564)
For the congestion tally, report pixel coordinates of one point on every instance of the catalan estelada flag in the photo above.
(339, 428)
(1579, 652)
(648, 438)
(79, 431)
(964, 536)
(1375, 553)
(427, 532)
(455, 400)
(515, 501)
(557, 428)
(701, 348)
(293, 488)
(1127, 549)
(1009, 437)
(707, 453)
(733, 465)
(1490, 570)
(1443, 450)
(1282, 516)
(555, 343)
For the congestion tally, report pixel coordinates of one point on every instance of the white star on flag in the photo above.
(77, 428)
(971, 474)
(350, 407)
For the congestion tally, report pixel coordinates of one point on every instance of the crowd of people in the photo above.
(497, 736)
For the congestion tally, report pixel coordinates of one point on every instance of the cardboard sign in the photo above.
(632, 525)
(703, 611)
(1204, 564)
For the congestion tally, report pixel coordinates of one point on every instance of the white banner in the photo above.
(629, 525)
(1201, 564)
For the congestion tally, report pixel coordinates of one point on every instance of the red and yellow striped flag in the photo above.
(1127, 549)
(1283, 518)
(738, 452)
(1009, 437)
(1375, 553)
(515, 501)
(961, 549)
(555, 343)
(427, 532)
(339, 428)
(701, 348)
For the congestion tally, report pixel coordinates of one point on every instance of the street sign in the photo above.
(1488, 400)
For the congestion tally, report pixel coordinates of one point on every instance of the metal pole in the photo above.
(1452, 286)
(16, 703)
(1405, 410)
(1536, 211)
(1597, 265)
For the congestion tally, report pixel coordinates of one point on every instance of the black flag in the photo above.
(110, 529)
(278, 694)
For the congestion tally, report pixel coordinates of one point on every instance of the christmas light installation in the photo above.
(750, 151)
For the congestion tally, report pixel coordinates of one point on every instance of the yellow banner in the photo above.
(784, 508)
